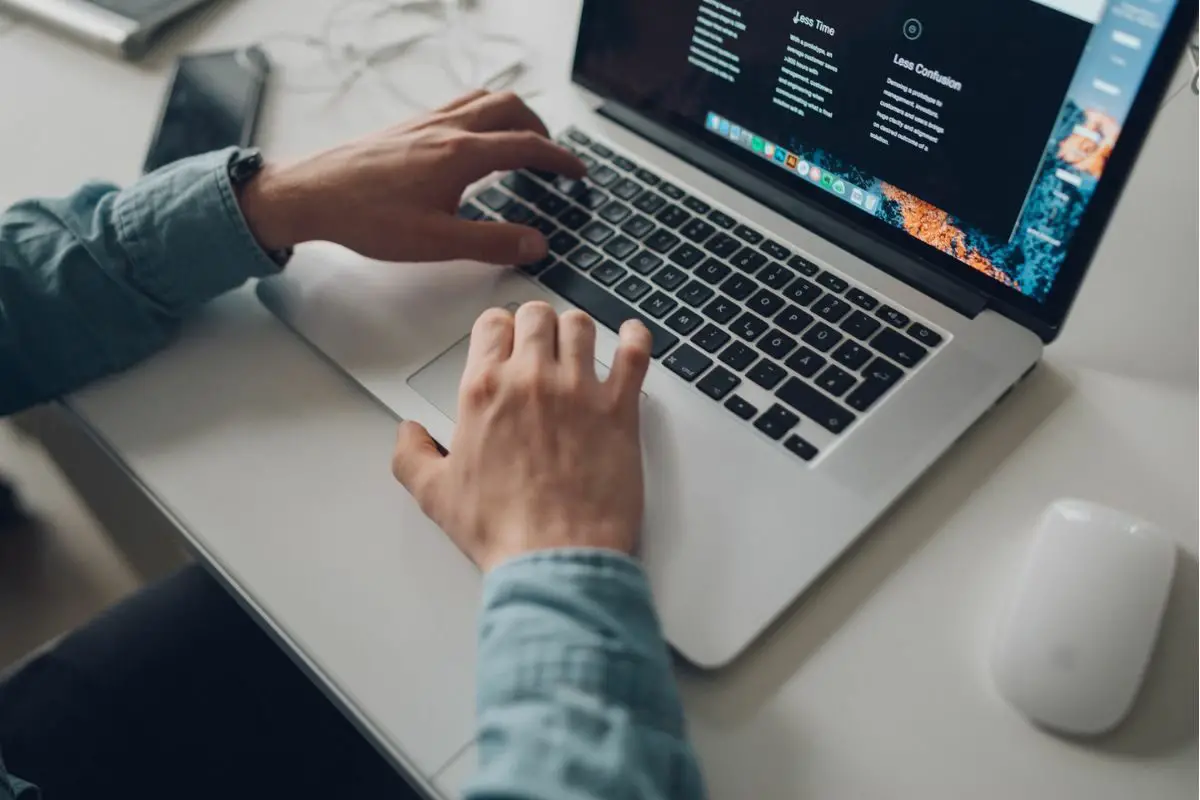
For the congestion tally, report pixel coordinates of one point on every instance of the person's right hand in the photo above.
(545, 455)
(394, 195)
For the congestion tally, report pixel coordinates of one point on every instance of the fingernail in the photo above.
(531, 248)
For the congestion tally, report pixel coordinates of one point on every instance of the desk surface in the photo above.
(874, 686)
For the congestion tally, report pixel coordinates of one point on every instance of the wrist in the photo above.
(272, 209)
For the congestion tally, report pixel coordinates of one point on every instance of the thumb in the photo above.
(416, 461)
(489, 242)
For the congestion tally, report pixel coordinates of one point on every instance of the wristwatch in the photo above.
(244, 165)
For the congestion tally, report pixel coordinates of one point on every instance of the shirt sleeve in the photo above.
(576, 697)
(94, 282)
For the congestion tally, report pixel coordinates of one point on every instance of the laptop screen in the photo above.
(980, 129)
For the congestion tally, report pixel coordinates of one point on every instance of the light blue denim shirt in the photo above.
(576, 698)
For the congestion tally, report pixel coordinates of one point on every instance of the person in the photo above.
(176, 692)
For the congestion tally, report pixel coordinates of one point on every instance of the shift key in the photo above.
(607, 309)
(814, 405)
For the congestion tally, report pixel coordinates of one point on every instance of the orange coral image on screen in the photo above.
(1091, 143)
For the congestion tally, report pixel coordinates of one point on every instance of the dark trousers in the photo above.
(177, 693)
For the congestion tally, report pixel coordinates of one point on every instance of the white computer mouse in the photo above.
(1072, 651)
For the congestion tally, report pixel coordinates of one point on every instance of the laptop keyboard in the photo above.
(727, 306)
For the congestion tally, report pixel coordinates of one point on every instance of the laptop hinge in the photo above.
(925, 277)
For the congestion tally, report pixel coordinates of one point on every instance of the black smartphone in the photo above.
(214, 102)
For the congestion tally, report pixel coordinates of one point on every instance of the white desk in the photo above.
(874, 687)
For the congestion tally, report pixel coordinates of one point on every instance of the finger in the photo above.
(416, 462)
(447, 238)
(499, 111)
(459, 102)
(577, 343)
(508, 150)
(535, 334)
(631, 361)
(491, 342)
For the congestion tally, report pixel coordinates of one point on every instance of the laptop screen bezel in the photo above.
(892, 249)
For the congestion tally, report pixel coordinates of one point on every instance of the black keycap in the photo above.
(776, 421)
(584, 258)
(658, 305)
(552, 204)
(892, 317)
(519, 213)
(722, 245)
(696, 204)
(860, 326)
(670, 278)
(607, 309)
(880, 375)
(562, 243)
(851, 354)
(747, 234)
(802, 292)
(645, 262)
(661, 240)
(721, 220)
(543, 176)
(578, 136)
(831, 308)
(633, 288)
(574, 218)
(621, 247)
(765, 303)
(803, 266)
(739, 287)
(777, 344)
(695, 294)
(749, 261)
(738, 355)
(721, 310)
(822, 337)
(671, 190)
(647, 177)
(524, 186)
(924, 335)
(800, 447)
(739, 406)
(672, 216)
(591, 199)
(587, 160)
(711, 338)
(861, 299)
(624, 163)
(604, 175)
(696, 231)
(597, 233)
(687, 362)
(793, 320)
(882, 370)
(712, 271)
(776, 276)
(775, 250)
(748, 327)
(608, 273)
(649, 202)
(615, 212)
(814, 405)
(684, 321)
(806, 362)
(835, 380)
(544, 225)
(637, 227)
(626, 189)
(538, 267)
(718, 383)
(470, 211)
(687, 255)
(899, 348)
(569, 187)
(493, 198)
(832, 282)
(601, 150)
(766, 374)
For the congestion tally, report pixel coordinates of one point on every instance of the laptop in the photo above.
(851, 230)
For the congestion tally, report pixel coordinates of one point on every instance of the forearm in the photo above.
(576, 694)
(94, 282)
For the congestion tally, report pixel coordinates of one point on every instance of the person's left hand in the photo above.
(394, 195)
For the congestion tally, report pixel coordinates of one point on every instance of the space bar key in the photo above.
(607, 309)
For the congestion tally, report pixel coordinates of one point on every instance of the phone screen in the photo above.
(213, 103)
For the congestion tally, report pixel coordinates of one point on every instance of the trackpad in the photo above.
(437, 382)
